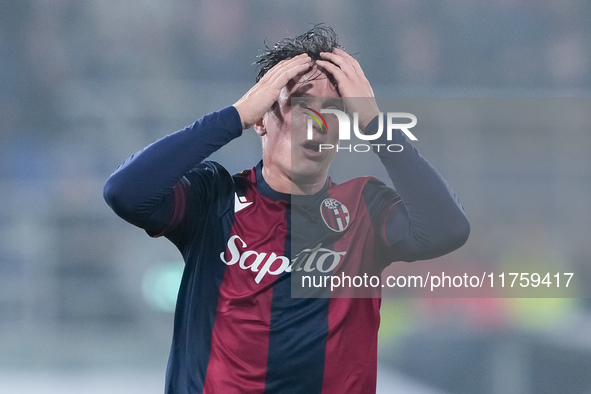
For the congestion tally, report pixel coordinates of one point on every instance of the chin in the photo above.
(308, 172)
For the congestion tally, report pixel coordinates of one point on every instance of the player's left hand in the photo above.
(351, 83)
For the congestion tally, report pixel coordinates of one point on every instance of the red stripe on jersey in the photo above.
(351, 346)
(240, 338)
(178, 212)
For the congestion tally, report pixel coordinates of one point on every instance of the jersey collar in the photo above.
(266, 190)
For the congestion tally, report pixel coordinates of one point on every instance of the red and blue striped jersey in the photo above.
(237, 328)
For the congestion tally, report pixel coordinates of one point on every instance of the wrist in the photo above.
(369, 123)
(367, 120)
(240, 112)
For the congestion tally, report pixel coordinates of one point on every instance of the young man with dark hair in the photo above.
(237, 329)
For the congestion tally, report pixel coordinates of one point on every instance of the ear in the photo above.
(260, 126)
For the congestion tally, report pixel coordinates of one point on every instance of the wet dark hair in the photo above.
(320, 38)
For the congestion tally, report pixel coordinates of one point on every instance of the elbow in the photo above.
(114, 195)
(458, 233)
(110, 193)
(453, 236)
(448, 238)
(429, 241)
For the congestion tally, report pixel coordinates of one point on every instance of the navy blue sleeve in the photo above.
(142, 190)
(429, 221)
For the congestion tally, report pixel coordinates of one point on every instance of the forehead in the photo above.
(314, 83)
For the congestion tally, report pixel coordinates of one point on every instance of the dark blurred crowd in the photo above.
(465, 43)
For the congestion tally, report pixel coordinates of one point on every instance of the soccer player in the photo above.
(236, 327)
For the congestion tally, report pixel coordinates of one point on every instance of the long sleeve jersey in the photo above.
(237, 327)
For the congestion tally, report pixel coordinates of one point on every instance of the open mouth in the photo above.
(312, 145)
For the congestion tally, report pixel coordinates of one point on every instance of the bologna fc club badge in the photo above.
(335, 215)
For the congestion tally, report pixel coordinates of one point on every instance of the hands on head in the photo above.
(351, 83)
(259, 99)
(344, 69)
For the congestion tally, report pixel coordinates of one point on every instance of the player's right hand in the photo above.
(259, 99)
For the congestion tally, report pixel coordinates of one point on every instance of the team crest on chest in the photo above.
(335, 215)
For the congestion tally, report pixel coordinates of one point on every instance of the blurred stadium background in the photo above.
(86, 300)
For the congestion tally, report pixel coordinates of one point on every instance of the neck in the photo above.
(283, 183)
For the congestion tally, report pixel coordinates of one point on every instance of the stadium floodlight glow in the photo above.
(160, 285)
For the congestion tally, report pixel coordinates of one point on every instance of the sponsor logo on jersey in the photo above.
(335, 214)
(262, 263)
